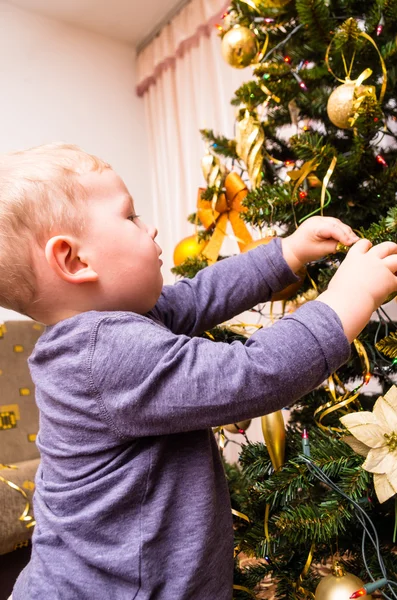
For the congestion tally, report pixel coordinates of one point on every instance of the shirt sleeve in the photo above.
(149, 381)
(192, 306)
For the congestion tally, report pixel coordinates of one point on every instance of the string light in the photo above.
(299, 79)
(381, 23)
(381, 160)
(305, 443)
(302, 194)
(369, 588)
(287, 59)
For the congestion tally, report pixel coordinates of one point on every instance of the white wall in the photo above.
(63, 83)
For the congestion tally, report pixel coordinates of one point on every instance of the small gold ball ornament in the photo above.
(239, 46)
(340, 107)
(340, 585)
(189, 247)
(237, 427)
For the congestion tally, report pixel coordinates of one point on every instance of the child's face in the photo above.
(122, 248)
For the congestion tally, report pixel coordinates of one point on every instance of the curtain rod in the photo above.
(170, 15)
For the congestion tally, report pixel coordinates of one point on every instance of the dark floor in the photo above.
(10, 566)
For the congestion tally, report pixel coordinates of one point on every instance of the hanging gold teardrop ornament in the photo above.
(273, 430)
(340, 585)
(250, 139)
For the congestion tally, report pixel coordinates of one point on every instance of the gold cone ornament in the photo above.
(189, 247)
(239, 46)
(344, 101)
(239, 427)
(291, 289)
(273, 430)
(340, 585)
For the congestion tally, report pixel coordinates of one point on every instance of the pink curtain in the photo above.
(186, 86)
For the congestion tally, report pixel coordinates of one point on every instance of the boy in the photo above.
(131, 500)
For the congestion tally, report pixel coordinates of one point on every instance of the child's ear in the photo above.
(62, 255)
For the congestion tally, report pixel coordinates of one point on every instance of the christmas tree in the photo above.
(316, 133)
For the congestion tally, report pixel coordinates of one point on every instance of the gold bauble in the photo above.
(189, 247)
(340, 103)
(291, 289)
(273, 430)
(239, 46)
(237, 427)
(340, 585)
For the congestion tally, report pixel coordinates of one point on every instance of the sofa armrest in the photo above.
(16, 493)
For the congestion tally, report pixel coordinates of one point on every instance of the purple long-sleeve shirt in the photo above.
(131, 500)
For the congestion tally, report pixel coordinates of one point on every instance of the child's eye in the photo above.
(133, 217)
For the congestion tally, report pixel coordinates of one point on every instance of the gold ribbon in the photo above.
(24, 516)
(308, 167)
(326, 182)
(227, 207)
(338, 401)
(236, 513)
(298, 585)
(244, 589)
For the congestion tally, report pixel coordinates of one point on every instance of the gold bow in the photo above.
(226, 207)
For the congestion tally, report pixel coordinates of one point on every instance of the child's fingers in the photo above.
(360, 247)
(384, 249)
(391, 263)
(340, 232)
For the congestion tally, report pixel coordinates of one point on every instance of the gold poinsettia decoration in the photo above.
(375, 437)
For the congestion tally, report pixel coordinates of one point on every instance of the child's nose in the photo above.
(153, 232)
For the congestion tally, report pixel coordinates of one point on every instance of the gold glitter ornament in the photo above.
(340, 585)
(237, 427)
(239, 46)
(341, 103)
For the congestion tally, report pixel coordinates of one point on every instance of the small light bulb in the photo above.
(359, 593)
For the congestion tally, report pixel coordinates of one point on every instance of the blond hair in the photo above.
(39, 193)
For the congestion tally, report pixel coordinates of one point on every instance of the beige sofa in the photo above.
(19, 420)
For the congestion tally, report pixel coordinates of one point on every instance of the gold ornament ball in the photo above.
(189, 247)
(340, 103)
(239, 46)
(340, 585)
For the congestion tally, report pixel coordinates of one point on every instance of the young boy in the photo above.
(131, 500)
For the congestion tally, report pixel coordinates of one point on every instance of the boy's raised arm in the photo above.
(224, 290)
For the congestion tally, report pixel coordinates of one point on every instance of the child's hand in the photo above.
(361, 284)
(315, 238)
